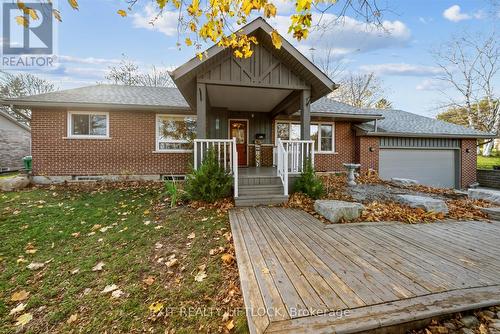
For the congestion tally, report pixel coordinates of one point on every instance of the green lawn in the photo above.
(134, 235)
(488, 162)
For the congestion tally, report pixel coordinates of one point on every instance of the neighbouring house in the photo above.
(15, 142)
(269, 111)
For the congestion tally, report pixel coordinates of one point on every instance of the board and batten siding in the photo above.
(404, 142)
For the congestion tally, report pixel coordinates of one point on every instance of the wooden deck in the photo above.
(301, 276)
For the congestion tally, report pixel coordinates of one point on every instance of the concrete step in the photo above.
(260, 189)
(261, 180)
(257, 200)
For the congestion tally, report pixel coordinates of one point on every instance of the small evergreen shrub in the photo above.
(210, 181)
(308, 183)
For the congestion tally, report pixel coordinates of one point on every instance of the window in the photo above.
(175, 133)
(321, 133)
(82, 124)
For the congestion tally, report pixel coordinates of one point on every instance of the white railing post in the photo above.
(235, 168)
(283, 165)
(195, 151)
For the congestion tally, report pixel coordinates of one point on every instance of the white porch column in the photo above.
(305, 114)
(201, 111)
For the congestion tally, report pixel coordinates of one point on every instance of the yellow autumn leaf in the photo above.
(20, 4)
(188, 41)
(122, 13)
(57, 15)
(199, 55)
(146, 212)
(269, 10)
(230, 325)
(19, 296)
(23, 319)
(156, 307)
(276, 39)
(32, 13)
(73, 4)
(227, 258)
(161, 3)
(21, 20)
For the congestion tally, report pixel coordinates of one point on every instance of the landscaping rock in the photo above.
(14, 183)
(465, 330)
(450, 325)
(469, 321)
(423, 202)
(337, 210)
(485, 194)
(404, 182)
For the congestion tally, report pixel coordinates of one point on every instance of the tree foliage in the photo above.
(129, 73)
(360, 90)
(23, 84)
(219, 21)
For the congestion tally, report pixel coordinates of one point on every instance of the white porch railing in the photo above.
(225, 152)
(282, 165)
(298, 153)
(291, 156)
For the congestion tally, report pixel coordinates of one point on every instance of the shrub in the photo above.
(210, 181)
(308, 183)
(173, 191)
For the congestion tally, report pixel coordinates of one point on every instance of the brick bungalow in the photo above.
(264, 116)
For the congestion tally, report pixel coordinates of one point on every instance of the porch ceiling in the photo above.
(245, 98)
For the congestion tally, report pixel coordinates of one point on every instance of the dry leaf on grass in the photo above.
(72, 318)
(156, 307)
(98, 266)
(19, 296)
(191, 235)
(17, 309)
(149, 280)
(109, 288)
(200, 276)
(117, 293)
(230, 324)
(35, 265)
(23, 319)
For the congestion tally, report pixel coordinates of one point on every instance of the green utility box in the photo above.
(27, 160)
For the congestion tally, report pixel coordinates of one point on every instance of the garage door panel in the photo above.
(429, 167)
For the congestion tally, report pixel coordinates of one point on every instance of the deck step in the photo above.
(257, 200)
(260, 189)
(258, 180)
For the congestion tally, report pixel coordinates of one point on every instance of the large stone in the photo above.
(485, 194)
(404, 182)
(14, 183)
(423, 202)
(469, 321)
(337, 210)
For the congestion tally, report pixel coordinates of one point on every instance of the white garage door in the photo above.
(429, 167)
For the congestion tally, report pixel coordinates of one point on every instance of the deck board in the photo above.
(299, 270)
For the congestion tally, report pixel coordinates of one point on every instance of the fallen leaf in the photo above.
(172, 262)
(76, 234)
(156, 307)
(31, 251)
(149, 280)
(158, 245)
(19, 296)
(265, 271)
(75, 271)
(109, 288)
(227, 258)
(35, 265)
(117, 294)
(225, 316)
(191, 235)
(23, 319)
(72, 318)
(146, 212)
(230, 324)
(98, 266)
(17, 309)
(200, 276)
(96, 227)
(21, 260)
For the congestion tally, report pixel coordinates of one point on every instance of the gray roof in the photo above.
(399, 122)
(10, 118)
(328, 105)
(112, 95)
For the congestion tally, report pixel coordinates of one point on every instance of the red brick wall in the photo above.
(468, 162)
(129, 151)
(345, 151)
(368, 159)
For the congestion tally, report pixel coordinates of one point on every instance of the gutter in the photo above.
(425, 135)
(40, 104)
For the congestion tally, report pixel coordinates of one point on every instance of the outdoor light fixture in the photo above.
(371, 149)
(467, 150)
(217, 124)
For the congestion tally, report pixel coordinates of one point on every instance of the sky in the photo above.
(94, 38)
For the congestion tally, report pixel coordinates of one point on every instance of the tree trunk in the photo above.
(487, 149)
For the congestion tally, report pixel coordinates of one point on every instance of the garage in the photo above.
(430, 162)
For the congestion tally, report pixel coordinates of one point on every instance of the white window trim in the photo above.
(70, 125)
(157, 137)
(319, 133)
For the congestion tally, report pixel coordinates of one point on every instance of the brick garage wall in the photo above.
(368, 159)
(345, 150)
(468, 162)
(129, 151)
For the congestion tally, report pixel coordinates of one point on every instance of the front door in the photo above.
(239, 129)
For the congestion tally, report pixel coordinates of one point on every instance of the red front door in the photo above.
(238, 130)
